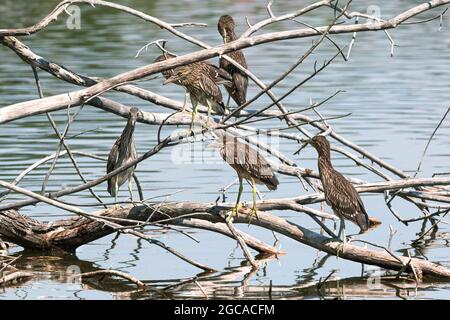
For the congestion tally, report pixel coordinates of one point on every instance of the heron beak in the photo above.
(305, 143)
(133, 121)
(170, 80)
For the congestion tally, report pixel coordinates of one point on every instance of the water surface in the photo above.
(395, 103)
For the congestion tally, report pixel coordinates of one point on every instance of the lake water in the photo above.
(395, 104)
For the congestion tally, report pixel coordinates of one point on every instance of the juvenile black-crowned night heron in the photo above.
(249, 164)
(122, 152)
(339, 193)
(201, 80)
(238, 89)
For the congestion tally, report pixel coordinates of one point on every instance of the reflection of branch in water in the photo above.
(432, 229)
(233, 282)
(9, 274)
(350, 288)
(308, 274)
(212, 284)
(103, 273)
(134, 256)
(433, 239)
(59, 267)
(112, 247)
(321, 283)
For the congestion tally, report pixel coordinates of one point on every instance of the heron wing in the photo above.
(210, 87)
(249, 163)
(112, 161)
(239, 89)
(345, 200)
(112, 158)
(220, 75)
(176, 78)
(237, 56)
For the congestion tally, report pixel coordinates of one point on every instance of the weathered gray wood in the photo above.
(57, 102)
(70, 233)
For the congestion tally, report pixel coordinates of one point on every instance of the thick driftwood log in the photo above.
(70, 233)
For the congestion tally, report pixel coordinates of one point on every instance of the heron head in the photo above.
(320, 143)
(226, 26)
(134, 114)
(164, 57)
(171, 79)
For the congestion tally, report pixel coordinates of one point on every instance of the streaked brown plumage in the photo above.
(166, 73)
(201, 80)
(122, 152)
(220, 76)
(238, 90)
(340, 194)
(249, 164)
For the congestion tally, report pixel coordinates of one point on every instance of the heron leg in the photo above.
(184, 102)
(238, 205)
(194, 113)
(209, 108)
(258, 193)
(208, 102)
(130, 190)
(254, 208)
(342, 237)
(227, 107)
(116, 184)
(341, 234)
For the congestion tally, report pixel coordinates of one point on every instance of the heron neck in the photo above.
(231, 36)
(324, 160)
(129, 130)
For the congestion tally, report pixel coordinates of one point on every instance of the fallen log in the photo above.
(68, 234)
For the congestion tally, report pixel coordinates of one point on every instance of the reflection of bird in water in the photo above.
(122, 152)
(249, 164)
(201, 80)
(339, 193)
(238, 89)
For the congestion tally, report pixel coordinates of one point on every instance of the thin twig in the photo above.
(429, 141)
(242, 243)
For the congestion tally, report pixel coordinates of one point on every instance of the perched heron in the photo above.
(201, 80)
(249, 164)
(122, 152)
(238, 89)
(339, 192)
